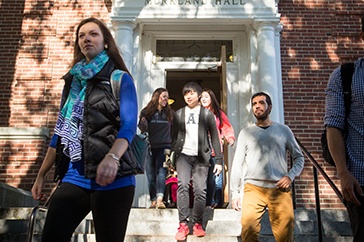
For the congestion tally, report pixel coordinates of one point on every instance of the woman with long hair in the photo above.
(92, 132)
(156, 119)
(214, 196)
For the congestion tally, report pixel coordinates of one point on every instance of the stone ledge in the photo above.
(11, 133)
(15, 197)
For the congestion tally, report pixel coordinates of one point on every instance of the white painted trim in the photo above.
(11, 133)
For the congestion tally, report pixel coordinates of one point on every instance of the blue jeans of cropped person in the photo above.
(189, 168)
(218, 198)
(70, 204)
(156, 173)
(214, 186)
(356, 215)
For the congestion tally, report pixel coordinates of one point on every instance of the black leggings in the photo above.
(70, 204)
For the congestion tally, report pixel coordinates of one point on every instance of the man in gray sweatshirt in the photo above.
(260, 171)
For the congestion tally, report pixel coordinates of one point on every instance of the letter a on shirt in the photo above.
(191, 143)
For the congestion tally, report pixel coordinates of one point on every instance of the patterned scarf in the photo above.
(69, 125)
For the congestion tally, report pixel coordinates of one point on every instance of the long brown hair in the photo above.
(112, 49)
(214, 105)
(152, 106)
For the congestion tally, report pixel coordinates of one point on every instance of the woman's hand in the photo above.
(231, 141)
(37, 189)
(45, 167)
(107, 171)
(217, 169)
(108, 167)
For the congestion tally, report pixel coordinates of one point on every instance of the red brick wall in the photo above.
(36, 43)
(316, 37)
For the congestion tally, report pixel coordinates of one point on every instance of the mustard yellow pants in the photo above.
(256, 201)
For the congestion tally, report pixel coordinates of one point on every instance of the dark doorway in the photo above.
(176, 79)
(210, 78)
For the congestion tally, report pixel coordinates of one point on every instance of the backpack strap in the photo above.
(347, 71)
(115, 82)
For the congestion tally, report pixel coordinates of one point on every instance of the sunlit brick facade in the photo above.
(37, 39)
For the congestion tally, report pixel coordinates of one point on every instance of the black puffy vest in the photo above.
(101, 122)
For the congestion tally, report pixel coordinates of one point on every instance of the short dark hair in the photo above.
(362, 23)
(267, 97)
(192, 87)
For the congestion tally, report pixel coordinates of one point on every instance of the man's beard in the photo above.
(262, 117)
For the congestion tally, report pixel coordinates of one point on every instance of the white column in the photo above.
(277, 37)
(268, 79)
(124, 39)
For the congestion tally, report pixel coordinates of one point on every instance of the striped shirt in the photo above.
(335, 116)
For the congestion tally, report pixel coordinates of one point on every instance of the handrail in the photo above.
(33, 216)
(322, 172)
(32, 221)
(317, 167)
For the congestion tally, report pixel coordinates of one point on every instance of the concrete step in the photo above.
(161, 225)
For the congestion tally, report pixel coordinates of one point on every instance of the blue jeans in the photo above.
(156, 173)
(218, 188)
(214, 185)
(189, 167)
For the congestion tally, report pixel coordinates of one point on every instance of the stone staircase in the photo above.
(153, 225)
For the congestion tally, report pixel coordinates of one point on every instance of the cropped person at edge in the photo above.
(91, 135)
(347, 150)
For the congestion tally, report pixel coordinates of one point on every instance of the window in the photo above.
(193, 50)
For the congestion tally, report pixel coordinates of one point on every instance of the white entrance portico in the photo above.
(167, 42)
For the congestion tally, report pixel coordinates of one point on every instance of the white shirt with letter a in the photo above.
(191, 121)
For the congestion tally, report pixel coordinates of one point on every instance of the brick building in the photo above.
(287, 48)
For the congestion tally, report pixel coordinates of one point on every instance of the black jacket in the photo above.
(101, 123)
(207, 132)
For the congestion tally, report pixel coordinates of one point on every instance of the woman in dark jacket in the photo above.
(156, 119)
(92, 133)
